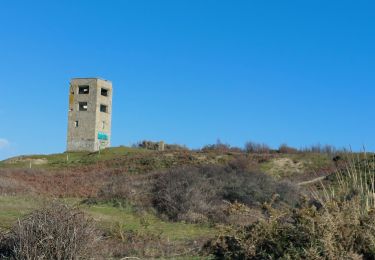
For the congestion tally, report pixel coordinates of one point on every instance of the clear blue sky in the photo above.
(191, 71)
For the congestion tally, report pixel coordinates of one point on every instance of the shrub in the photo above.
(324, 149)
(252, 147)
(127, 189)
(53, 232)
(284, 148)
(198, 193)
(218, 147)
(180, 192)
(242, 163)
(338, 223)
(334, 232)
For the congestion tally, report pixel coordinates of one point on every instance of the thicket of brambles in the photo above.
(52, 232)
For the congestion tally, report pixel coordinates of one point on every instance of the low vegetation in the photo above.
(217, 202)
(53, 232)
(197, 194)
(336, 222)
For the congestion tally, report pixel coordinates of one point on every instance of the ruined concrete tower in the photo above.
(90, 113)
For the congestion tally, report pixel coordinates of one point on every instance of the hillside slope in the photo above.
(124, 189)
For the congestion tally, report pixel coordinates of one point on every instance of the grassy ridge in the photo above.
(140, 160)
(124, 174)
(109, 217)
(69, 159)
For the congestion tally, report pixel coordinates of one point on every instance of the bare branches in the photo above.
(53, 232)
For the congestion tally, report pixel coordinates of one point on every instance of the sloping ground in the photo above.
(83, 174)
(129, 159)
(282, 167)
(299, 167)
(120, 224)
(24, 160)
(27, 181)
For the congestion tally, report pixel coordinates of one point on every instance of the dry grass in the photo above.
(356, 179)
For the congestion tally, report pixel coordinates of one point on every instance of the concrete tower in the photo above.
(90, 113)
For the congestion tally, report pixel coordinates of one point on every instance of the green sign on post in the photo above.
(102, 136)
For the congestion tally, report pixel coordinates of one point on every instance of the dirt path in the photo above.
(312, 181)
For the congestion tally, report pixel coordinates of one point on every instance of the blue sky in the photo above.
(191, 71)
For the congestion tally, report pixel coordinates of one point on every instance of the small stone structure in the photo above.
(90, 114)
(157, 146)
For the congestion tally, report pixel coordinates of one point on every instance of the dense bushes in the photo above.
(220, 148)
(285, 149)
(252, 147)
(184, 194)
(337, 231)
(198, 193)
(125, 189)
(53, 232)
(338, 223)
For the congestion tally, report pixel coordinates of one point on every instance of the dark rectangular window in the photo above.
(76, 124)
(83, 90)
(82, 106)
(103, 108)
(104, 92)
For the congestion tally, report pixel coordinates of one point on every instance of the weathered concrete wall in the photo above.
(104, 119)
(93, 131)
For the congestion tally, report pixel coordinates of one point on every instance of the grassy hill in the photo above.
(140, 160)
(125, 190)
